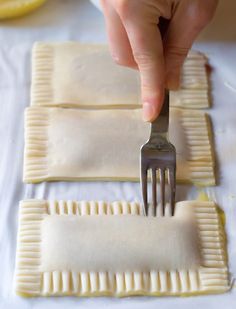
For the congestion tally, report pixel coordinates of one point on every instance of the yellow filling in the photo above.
(16, 8)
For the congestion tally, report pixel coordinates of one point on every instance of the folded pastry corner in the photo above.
(97, 248)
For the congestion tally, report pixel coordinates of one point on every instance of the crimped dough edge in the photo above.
(211, 277)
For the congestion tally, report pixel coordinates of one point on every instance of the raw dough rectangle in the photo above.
(84, 75)
(75, 144)
(96, 248)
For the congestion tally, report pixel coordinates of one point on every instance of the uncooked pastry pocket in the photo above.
(77, 144)
(97, 248)
(71, 74)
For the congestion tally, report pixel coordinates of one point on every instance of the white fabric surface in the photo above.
(79, 20)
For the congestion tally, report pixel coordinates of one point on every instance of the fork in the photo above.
(159, 155)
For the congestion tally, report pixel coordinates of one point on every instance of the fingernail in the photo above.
(115, 57)
(148, 111)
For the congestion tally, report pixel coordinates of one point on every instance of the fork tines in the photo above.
(159, 156)
(162, 181)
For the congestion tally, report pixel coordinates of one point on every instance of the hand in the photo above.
(158, 53)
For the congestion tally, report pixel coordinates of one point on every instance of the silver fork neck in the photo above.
(161, 124)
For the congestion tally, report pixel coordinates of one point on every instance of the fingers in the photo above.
(118, 40)
(135, 40)
(148, 54)
(189, 19)
(147, 49)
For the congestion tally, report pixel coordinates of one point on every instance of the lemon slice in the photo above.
(15, 8)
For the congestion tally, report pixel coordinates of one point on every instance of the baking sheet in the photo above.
(61, 20)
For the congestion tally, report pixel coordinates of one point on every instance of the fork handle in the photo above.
(161, 123)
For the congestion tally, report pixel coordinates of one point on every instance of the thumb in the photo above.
(140, 23)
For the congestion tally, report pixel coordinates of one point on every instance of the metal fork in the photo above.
(159, 155)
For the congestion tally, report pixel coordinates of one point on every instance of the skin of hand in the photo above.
(154, 36)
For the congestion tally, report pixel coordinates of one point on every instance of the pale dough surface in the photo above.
(85, 75)
(122, 243)
(73, 74)
(105, 143)
(97, 248)
(69, 144)
(92, 76)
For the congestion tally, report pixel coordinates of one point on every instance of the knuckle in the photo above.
(200, 13)
(144, 60)
(175, 57)
(147, 88)
(104, 3)
(124, 8)
(205, 17)
(177, 52)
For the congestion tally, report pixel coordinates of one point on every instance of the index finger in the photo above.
(147, 48)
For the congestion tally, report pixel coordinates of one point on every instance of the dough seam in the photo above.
(212, 276)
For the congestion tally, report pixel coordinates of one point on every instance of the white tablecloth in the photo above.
(60, 20)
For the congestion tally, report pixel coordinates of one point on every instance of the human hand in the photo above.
(158, 53)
